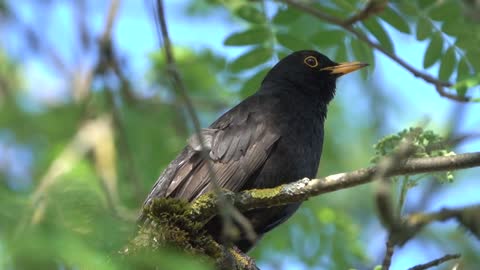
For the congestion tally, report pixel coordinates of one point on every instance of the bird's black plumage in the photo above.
(273, 137)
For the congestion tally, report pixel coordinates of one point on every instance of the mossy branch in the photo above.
(180, 224)
(205, 208)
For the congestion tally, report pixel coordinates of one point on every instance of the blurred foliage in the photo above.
(452, 38)
(63, 205)
(425, 143)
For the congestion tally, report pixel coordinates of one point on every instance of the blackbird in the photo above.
(271, 138)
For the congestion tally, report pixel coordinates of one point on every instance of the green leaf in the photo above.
(423, 4)
(345, 5)
(250, 14)
(282, 53)
(408, 8)
(474, 55)
(290, 42)
(454, 28)
(286, 16)
(341, 53)
(255, 35)
(445, 11)
(328, 38)
(463, 70)
(424, 28)
(252, 58)
(361, 52)
(434, 51)
(447, 66)
(463, 85)
(392, 17)
(463, 74)
(461, 90)
(377, 30)
(252, 84)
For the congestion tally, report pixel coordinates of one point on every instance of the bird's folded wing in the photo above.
(238, 145)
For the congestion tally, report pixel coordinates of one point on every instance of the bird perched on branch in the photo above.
(271, 138)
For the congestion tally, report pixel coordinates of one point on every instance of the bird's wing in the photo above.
(239, 143)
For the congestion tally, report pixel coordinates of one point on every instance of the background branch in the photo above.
(438, 84)
(371, 8)
(224, 207)
(436, 262)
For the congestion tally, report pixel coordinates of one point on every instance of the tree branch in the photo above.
(372, 7)
(204, 208)
(435, 262)
(390, 249)
(467, 216)
(439, 85)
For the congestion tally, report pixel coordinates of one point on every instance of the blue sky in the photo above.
(136, 37)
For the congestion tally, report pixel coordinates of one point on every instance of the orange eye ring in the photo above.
(311, 61)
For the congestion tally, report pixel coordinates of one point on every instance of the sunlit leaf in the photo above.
(328, 8)
(434, 51)
(447, 65)
(408, 8)
(474, 55)
(464, 79)
(424, 28)
(341, 53)
(345, 5)
(363, 53)
(445, 10)
(396, 20)
(463, 70)
(250, 13)
(291, 42)
(282, 53)
(286, 16)
(423, 4)
(253, 84)
(328, 38)
(252, 58)
(377, 30)
(454, 28)
(255, 35)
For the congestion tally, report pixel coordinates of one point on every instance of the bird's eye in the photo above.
(311, 61)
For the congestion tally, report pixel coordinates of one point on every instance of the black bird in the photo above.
(271, 138)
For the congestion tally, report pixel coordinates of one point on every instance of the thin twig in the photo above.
(371, 8)
(390, 249)
(436, 262)
(383, 196)
(383, 193)
(422, 219)
(124, 145)
(439, 85)
(225, 208)
(111, 18)
(108, 60)
(383, 202)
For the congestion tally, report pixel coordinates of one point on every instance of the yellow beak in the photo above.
(345, 68)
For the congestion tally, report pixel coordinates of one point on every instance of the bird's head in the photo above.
(309, 72)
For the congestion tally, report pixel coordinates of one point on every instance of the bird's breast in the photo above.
(297, 153)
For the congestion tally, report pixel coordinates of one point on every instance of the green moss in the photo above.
(170, 225)
(265, 193)
(206, 201)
